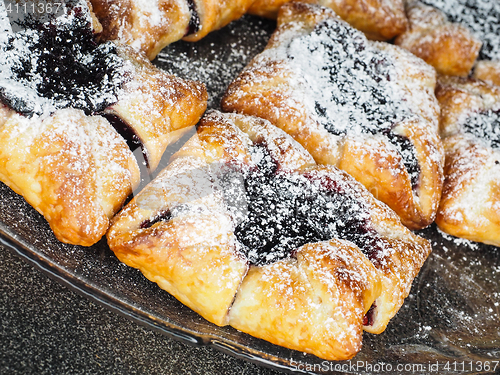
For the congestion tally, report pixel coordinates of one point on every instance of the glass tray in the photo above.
(450, 320)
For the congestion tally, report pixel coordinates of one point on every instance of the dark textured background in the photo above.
(45, 328)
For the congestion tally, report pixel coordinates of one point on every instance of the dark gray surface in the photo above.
(45, 328)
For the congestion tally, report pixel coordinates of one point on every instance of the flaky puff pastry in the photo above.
(72, 168)
(366, 107)
(379, 20)
(470, 120)
(449, 47)
(233, 228)
(158, 107)
(488, 71)
(59, 150)
(214, 14)
(150, 26)
(146, 26)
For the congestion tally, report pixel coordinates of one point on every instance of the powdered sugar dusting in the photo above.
(337, 94)
(352, 85)
(462, 242)
(484, 126)
(481, 17)
(55, 65)
(214, 63)
(286, 211)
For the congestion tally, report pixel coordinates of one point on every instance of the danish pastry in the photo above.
(449, 47)
(379, 20)
(245, 229)
(471, 30)
(150, 26)
(67, 160)
(470, 127)
(367, 107)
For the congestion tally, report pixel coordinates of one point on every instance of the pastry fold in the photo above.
(457, 37)
(470, 205)
(146, 26)
(215, 14)
(313, 302)
(187, 232)
(300, 85)
(158, 107)
(488, 71)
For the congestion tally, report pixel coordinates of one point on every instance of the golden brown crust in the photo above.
(449, 47)
(159, 107)
(145, 26)
(75, 170)
(379, 20)
(96, 25)
(488, 71)
(270, 8)
(470, 204)
(403, 256)
(270, 89)
(193, 258)
(149, 27)
(313, 301)
(214, 14)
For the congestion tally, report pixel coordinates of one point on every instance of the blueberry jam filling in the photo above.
(194, 22)
(56, 65)
(368, 319)
(407, 151)
(133, 141)
(481, 17)
(165, 215)
(352, 86)
(286, 211)
(484, 125)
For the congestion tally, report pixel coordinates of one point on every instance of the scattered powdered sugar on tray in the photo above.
(213, 63)
(458, 241)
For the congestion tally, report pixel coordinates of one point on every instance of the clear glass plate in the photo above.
(451, 317)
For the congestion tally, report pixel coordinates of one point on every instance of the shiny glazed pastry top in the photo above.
(246, 229)
(367, 107)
